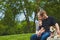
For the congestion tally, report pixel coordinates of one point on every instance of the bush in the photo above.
(3, 29)
(22, 27)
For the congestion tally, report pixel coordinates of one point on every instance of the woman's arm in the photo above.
(37, 26)
(40, 31)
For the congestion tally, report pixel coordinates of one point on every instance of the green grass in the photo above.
(16, 37)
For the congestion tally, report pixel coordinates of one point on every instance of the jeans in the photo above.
(43, 36)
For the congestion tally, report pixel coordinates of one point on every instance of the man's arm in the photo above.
(57, 28)
(56, 25)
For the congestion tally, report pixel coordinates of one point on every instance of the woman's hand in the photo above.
(40, 31)
(38, 34)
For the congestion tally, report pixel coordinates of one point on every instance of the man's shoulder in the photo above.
(51, 17)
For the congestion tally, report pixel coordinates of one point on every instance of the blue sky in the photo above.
(21, 17)
(1, 15)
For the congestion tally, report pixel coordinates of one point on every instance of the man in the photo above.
(43, 26)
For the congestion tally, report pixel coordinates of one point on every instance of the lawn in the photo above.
(16, 37)
(19, 37)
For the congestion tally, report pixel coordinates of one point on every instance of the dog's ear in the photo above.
(52, 29)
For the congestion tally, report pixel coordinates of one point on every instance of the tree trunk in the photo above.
(36, 11)
(27, 20)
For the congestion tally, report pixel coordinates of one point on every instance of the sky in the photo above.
(1, 15)
(21, 17)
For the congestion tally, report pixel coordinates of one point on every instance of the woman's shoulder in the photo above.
(36, 21)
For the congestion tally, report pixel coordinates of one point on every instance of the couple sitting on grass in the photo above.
(43, 26)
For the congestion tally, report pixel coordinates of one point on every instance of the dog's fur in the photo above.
(54, 34)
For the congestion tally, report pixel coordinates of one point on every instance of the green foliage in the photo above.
(23, 28)
(11, 8)
(3, 29)
(52, 8)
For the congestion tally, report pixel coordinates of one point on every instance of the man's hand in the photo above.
(58, 32)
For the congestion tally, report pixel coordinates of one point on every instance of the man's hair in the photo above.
(41, 12)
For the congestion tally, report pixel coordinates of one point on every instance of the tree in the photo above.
(52, 7)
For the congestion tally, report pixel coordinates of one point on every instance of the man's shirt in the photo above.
(46, 23)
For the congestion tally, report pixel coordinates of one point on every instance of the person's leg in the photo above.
(45, 35)
(33, 37)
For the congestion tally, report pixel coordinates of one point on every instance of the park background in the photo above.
(17, 17)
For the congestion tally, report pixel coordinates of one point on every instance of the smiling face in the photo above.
(39, 16)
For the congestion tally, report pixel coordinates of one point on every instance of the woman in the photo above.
(43, 26)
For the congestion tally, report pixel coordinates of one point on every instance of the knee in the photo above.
(33, 36)
(45, 36)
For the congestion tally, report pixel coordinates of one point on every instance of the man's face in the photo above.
(42, 15)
